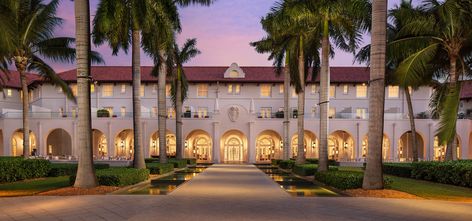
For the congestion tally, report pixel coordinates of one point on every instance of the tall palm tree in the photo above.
(341, 24)
(373, 177)
(30, 39)
(157, 50)
(445, 39)
(179, 85)
(290, 35)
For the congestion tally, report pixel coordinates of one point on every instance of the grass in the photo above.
(31, 187)
(425, 189)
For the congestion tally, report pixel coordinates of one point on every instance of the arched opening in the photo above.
(198, 145)
(59, 143)
(310, 145)
(1, 143)
(124, 142)
(385, 148)
(268, 146)
(99, 142)
(17, 143)
(439, 151)
(341, 146)
(170, 144)
(405, 149)
(233, 146)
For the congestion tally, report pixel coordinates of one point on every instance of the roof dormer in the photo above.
(234, 71)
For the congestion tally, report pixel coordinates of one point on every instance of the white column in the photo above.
(251, 144)
(145, 143)
(216, 142)
(110, 143)
(74, 139)
(393, 147)
(358, 143)
(40, 145)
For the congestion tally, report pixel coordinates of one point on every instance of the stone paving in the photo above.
(228, 192)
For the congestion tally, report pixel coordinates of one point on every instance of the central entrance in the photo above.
(234, 147)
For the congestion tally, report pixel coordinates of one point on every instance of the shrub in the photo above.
(119, 176)
(66, 169)
(158, 168)
(275, 162)
(286, 164)
(316, 161)
(304, 169)
(451, 172)
(178, 163)
(151, 160)
(191, 161)
(344, 179)
(17, 168)
(398, 169)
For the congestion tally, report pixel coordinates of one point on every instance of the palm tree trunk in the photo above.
(301, 106)
(178, 118)
(25, 100)
(324, 99)
(161, 105)
(411, 116)
(138, 159)
(373, 176)
(451, 144)
(286, 142)
(85, 172)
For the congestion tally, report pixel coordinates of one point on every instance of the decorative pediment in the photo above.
(234, 71)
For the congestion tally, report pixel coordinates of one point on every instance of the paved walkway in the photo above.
(228, 192)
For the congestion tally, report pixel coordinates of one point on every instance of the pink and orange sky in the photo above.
(223, 32)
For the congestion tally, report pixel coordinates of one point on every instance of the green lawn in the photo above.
(30, 187)
(425, 189)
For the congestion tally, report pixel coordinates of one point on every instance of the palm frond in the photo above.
(413, 69)
(446, 131)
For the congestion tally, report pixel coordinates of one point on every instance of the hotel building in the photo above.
(231, 114)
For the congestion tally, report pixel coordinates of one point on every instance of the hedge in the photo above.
(119, 176)
(17, 168)
(151, 160)
(66, 169)
(451, 172)
(178, 163)
(191, 161)
(275, 162)
(307, 169)
(343, 179)
(398, 169)
(158, 168)
(286, 164)
(316, 161)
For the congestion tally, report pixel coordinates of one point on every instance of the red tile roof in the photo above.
(214, 74)
(466, 90)
(12, 79)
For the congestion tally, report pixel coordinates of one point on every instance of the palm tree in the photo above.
(341, 24)
(289, 38)
(373, 177)
(157, 49)
(30, 39)
(85, 177)
(180, 85)
(444, 43)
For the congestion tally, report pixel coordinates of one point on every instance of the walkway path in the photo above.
(228, 192)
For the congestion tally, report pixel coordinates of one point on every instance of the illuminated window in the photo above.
(30, 95)
(361, 113)
(154, 88)
(361, 91)
(234, 88)
(59, 90)
(202, 90)
(107, 90)
(92, 88)
(332, 91)
(202, 112)
(294, 92)
(168, 88)
(110, 110)
(281, 88)
(332, 112)
(313, 89)
(171, 113)
(123, 111)
(141, 91)
(345, 89)
(266, 112)
(393, 91)
(73, 88)
(123, 88)
(234, 74)
(266, 90)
